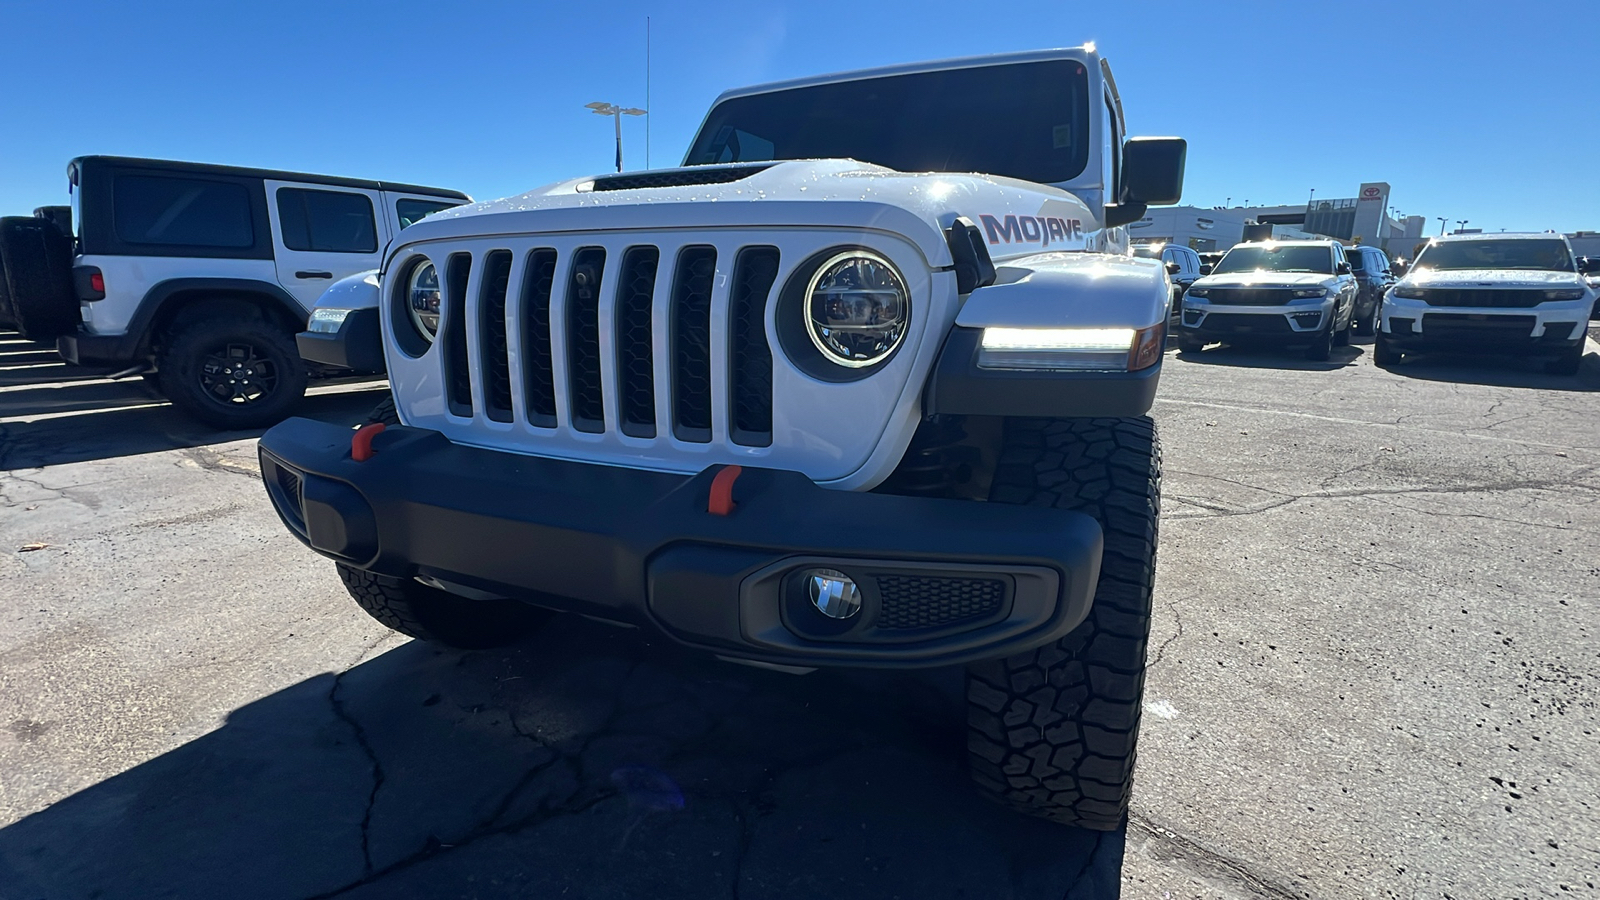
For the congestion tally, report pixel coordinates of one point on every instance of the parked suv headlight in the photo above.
(1408, 293)
(1197, 292)
(1568, 294)
(855, 308)
(1309, 293)
(327, 320)
(422, 300)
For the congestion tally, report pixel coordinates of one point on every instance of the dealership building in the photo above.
(1362, 219)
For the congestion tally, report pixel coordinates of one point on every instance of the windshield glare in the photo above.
(1035, 122)
(1147, 251)
(1316, 260)
(1551, 255)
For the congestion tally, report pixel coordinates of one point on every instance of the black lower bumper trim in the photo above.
(960, 387)
(84, 349)
(640, 547)
(356, 345)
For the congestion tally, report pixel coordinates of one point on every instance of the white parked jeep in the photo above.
(199, 276)
(795, 409)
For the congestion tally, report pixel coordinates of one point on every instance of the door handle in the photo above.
(313, 274)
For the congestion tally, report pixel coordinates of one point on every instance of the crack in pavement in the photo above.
(212, 461)
(366, 748)
(1544, 484)
(1212, 864)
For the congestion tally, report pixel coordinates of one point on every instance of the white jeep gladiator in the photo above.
(856, 386)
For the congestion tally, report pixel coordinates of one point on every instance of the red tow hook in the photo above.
(722, 491)
(361, 442)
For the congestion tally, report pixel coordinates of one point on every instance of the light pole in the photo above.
(1461, 225)
(616, 113)
(1441, 219)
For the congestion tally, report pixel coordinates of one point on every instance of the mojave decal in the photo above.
(1041, 230)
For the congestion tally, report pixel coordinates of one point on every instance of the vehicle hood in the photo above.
(1263, 279)
(1499, 278)
(1017, 218)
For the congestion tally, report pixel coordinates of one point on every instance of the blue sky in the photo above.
(1482, 111)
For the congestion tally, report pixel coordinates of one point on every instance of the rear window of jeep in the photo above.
(155, 209)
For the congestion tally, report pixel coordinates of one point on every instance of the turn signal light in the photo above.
(1147, 346)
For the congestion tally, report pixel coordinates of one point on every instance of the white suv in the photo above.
(1281, 292)
(201, 275)
(1521, 294)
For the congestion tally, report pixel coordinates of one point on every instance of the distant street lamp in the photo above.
(616, 113)
(1441, 219)
(1461, 225)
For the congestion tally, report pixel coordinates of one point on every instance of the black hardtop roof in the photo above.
(172, 165)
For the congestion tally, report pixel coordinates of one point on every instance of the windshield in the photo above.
(1147, 251)
(1510, 254)
(1034, 122)
(1276, 259)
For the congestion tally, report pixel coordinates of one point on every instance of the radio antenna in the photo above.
(647, 91)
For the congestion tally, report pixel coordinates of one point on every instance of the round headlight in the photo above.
(422, 300)
(856, 309)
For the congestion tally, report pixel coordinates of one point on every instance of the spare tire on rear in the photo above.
(37, 260)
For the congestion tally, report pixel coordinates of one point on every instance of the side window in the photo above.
(412, 211)
(327, 221)
(155, 209)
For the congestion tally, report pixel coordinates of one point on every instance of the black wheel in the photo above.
(429, 614)
(1341, 337)
(384, 412)
(233, 373)
(1053, 732)
(1188, 343)
(1384, 353)
(1322, 342)
(1568, 362)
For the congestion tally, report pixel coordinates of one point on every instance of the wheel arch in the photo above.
(167, 301)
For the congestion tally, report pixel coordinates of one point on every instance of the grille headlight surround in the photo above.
(856, 309)
(1197, 292)
(1319, 293)
(1408, 293)
(422, 300)
(1566, 294)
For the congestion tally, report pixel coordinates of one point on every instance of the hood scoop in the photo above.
(685, 177)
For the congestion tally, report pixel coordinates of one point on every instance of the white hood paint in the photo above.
(1018, 218)
(1262, 278)
(1499, 278)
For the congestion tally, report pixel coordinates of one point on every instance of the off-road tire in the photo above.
(1568, 362)
(1384, 353)
(429, 614)
(1053, 732)
(183, 363)
(1322, 342)
(384, 413)
(36, 263)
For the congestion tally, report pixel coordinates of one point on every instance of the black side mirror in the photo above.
(1152, 175)
(1205, 270)
(1173, 268)
(1589, 265)
(1342, 269)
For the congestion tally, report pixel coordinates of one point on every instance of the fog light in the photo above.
(833, 593)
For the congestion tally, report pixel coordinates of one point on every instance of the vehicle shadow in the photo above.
(588, 762)
(1499, 371)
(1264, 356)
(52, 413)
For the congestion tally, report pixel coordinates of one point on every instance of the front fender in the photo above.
(1055, 290)
(358, 342)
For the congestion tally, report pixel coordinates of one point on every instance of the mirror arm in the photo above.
(1124, 213)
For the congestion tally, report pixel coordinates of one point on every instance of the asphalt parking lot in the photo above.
(1373, 673)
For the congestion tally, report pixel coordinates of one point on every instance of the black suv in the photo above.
(1374, 276)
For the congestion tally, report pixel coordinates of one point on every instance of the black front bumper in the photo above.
(943, 581)
(85, 349)
(356, 345)
(1482, 333)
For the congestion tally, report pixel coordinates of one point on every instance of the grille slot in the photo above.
(691, 343)
(538, 375)
(492, 336)
(909, 602)
(1246, 323)
(750, 393)
(1467, 328)
(636, 388)
(586, 403)
(1492, 298)
(458, 374)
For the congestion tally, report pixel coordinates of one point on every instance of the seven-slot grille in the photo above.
(636, 279)
(1491, 298)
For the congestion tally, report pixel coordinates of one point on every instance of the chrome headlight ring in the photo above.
(856, 309)
(422, 299)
